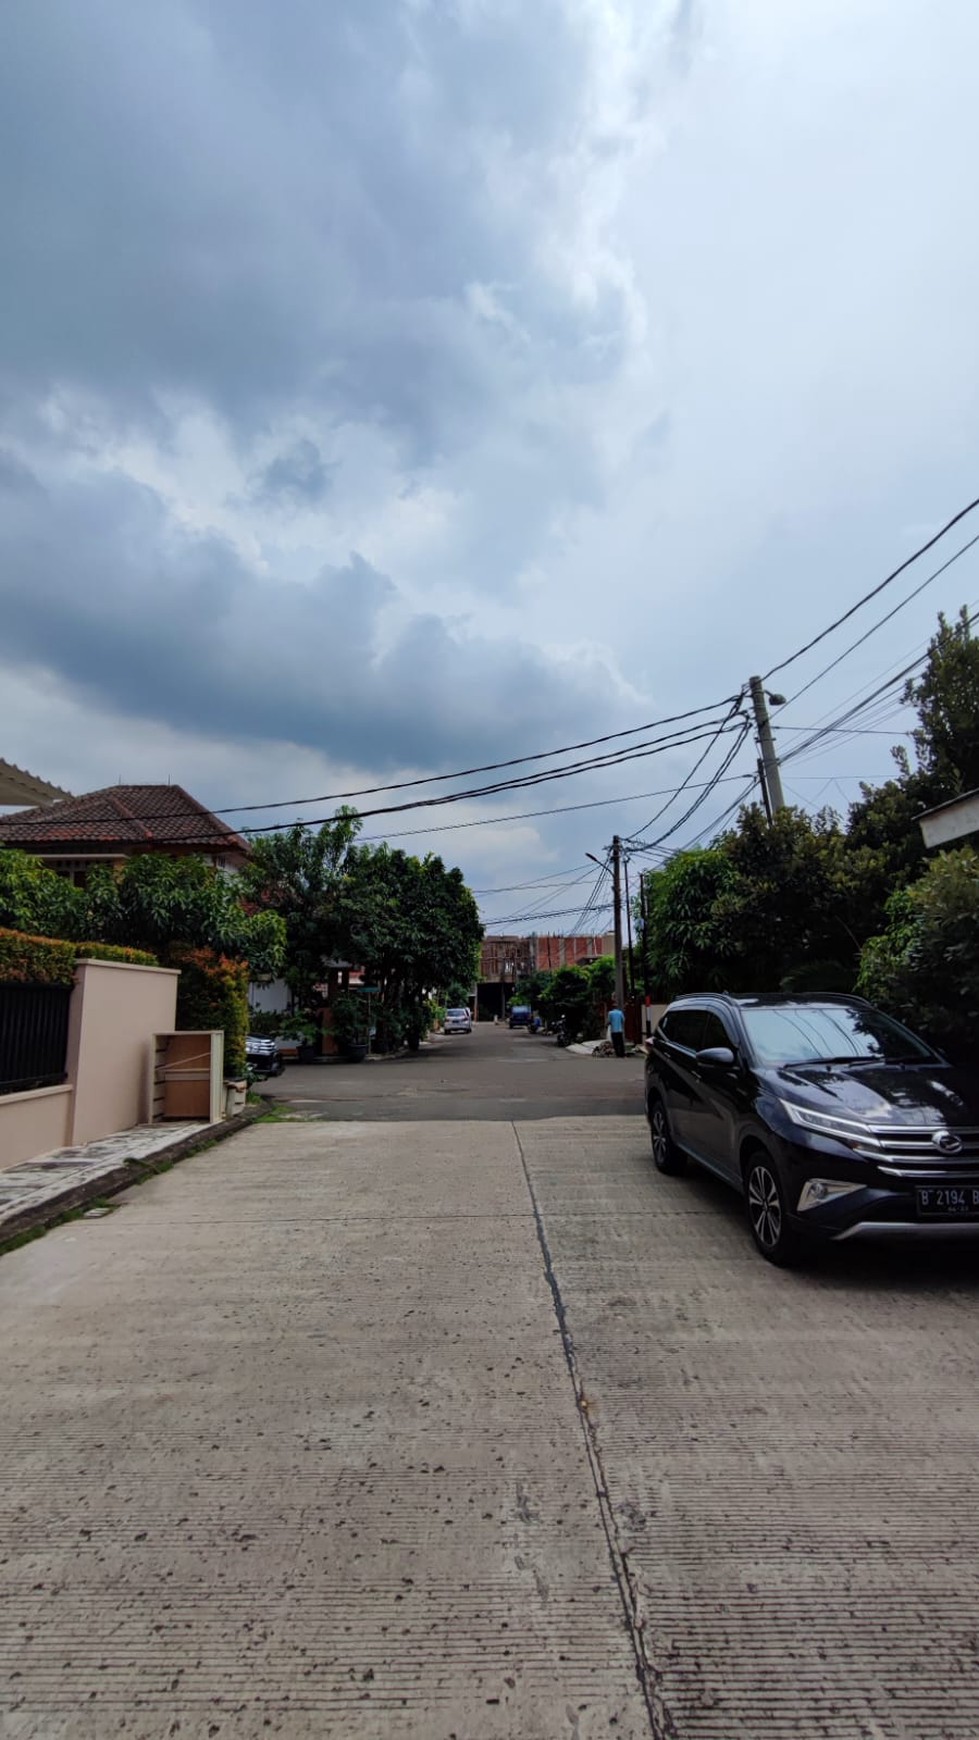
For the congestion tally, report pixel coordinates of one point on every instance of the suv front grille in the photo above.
(909, 1151)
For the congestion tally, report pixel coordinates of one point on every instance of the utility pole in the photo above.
(766, 800)
(628, 932)
(617, 907)
(772, 785)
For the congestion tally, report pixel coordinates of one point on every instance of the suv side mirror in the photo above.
(721, 1056)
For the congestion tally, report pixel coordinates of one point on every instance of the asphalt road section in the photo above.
(491, 1073)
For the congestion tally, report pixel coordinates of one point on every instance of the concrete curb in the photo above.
(35, 1216)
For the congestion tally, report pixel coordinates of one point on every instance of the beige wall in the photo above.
(34, 1123)
(115, 1011)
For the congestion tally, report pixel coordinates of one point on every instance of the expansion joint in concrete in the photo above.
(660, 1721)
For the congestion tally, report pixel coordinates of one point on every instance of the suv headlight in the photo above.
(846, 1130)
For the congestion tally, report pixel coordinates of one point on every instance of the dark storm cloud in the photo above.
(320, 232)
(101, 588)
(270, 204)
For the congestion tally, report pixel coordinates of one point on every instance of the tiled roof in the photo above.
(129, 815)
(19, 787)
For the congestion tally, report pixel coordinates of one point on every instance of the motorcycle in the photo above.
(560, 1031)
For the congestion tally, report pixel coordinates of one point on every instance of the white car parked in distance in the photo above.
(458, 1021)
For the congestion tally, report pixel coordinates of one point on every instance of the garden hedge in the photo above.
(114, 952)
(45, 960)
(35, 960)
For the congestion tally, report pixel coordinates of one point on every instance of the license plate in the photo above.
(948, 1201)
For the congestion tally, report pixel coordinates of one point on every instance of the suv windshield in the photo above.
(829, 1033)
(463, 1012)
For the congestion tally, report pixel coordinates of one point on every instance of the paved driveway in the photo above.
(479, 1429)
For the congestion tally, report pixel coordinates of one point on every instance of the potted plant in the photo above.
(350, 1027)
(304, 1032)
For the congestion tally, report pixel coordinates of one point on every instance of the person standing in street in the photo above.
(616, 1026)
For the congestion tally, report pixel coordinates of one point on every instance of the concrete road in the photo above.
(489, 1073)
(479, 1429)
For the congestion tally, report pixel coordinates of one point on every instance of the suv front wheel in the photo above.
(666, 1155)
(768, 1218)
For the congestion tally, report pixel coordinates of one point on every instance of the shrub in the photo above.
(45, 960)
(213, 992)
(35, 960)
(113, 952)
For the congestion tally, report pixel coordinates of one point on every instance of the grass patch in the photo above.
(277, 1113)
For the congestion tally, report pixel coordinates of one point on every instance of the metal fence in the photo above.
(33, 1036)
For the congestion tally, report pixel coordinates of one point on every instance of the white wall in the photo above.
(273, 999)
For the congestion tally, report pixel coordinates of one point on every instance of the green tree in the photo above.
(785, 904)
(884, 825)
(946, 697)
(601, 978)
(570, 998)
(154, 902)
(924, 967)
(151, 902)
(946, 742)
(34, 899)
(414, 927)
(298, 874)
(532, 989)
(685, 946)
(793, 916)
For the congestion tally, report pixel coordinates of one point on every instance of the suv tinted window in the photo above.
(683, 1027)
(714, 1033)
(830, 1033)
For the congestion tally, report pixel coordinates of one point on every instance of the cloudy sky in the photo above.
(393, 386)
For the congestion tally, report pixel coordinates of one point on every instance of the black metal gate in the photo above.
(33, 1036)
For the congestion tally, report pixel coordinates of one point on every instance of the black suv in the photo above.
(833, 1120)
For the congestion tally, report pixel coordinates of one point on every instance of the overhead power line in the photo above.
(845, 654)
(616, 758)
(654, 845)
(591, 908)
(537, 910)
(514, 816)
(873, 593)
(685, 783)
(526, 917)
(468, 772)
(539, 882)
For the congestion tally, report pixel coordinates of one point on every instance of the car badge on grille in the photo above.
(947, 1142)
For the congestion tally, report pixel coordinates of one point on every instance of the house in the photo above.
(19, 787)
(73, 834)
